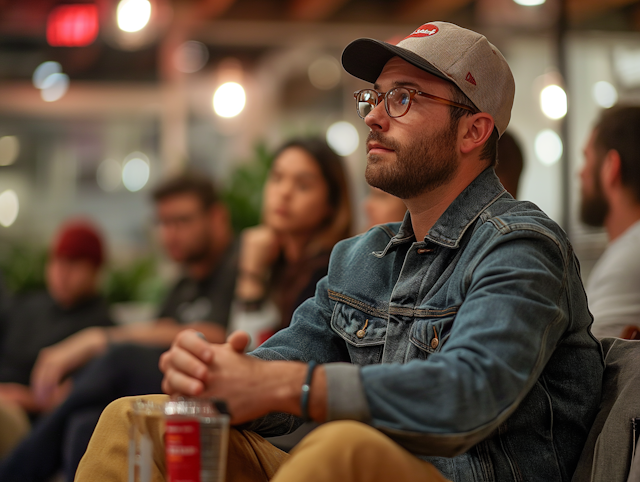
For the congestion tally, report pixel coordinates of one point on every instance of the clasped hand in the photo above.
(250, 387)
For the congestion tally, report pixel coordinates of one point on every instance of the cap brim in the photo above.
(365, 58)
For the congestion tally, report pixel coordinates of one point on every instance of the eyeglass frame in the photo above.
(412, 94)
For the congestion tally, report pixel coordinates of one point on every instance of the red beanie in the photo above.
(78, 240)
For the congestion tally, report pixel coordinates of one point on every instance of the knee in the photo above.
(123, 407)
(345, 436)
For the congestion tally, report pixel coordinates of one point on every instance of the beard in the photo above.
(420, 166)
(594, 207)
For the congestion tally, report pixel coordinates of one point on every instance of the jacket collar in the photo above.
(449, 229)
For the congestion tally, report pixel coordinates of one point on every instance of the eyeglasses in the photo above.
(396, 101)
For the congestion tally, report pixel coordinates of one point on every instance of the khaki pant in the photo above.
(337, 451)
(14, 426)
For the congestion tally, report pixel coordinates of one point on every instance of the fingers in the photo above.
(184, 366)
(191, 341)
(177, 382)
(239, 340)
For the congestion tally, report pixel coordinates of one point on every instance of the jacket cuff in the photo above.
(346, 399)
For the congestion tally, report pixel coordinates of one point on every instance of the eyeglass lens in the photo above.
(396, 103)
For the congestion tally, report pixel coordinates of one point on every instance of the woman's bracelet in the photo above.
(306, 390)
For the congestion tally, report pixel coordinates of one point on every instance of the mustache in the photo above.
(375, 136)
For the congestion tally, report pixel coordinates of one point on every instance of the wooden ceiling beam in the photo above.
(421, 11)
(580, 10)
(313, 10)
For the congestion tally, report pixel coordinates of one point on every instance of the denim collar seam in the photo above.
(455, 243)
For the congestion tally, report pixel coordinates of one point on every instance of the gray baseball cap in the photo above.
(452, 53)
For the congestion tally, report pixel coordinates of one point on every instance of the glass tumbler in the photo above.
(148, 416)
(196, 440)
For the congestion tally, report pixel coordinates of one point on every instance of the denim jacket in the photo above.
(471, 348)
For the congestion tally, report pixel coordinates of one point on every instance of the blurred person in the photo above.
(382, 208)
(510, 163)
(195, 231)
(610, 181)
(454, 346)
(31, 322)
(306, 211)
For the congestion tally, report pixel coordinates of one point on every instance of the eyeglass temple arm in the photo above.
(447, 102)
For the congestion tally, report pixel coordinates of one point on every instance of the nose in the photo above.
(378, 119)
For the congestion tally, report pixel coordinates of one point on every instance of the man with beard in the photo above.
(611, 198)
(454, 345)
(195, 232)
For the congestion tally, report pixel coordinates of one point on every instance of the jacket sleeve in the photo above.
(309, 337)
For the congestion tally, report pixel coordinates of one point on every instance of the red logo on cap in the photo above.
(426, 30)
(469, 78)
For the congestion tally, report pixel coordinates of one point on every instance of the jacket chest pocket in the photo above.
(428, 335)
(365, 334)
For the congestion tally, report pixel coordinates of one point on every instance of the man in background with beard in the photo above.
(195, 232)
(611, 198)
(452, 346)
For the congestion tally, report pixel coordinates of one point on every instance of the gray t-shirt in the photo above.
(207, 299)
(613, 288)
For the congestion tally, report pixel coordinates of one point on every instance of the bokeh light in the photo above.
(604, 94)
(343, 138)
(229, 99)
(9, 207)
(133, 15)
(530, 3)
(324, 73)
(74, 25)
(43, 71)
(9, 150)
(109, 175)
(54, 87)
(135, 172)
(191, 56)
(553, 102)
(548, 147)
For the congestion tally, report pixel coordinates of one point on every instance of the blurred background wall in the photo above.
(101, 99)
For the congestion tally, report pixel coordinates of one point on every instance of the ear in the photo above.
(611, 171)
(474, 131)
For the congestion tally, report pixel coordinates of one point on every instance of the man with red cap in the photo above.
(34, 321)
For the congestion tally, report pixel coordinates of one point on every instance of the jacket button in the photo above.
(424, 250)
(360, 333)
(434, 343)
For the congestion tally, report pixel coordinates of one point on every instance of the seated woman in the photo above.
(306, 211)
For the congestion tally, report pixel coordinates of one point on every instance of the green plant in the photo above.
(22, 267)
(243, 191)
(135, 282)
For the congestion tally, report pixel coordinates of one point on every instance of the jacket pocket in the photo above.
(428, 335)
(364, 333)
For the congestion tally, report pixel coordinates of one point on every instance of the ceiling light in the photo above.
(553, 102)
(133, 15)
(9, 207)
(9, 150)
(343, 138)
(229, 99)
(548, 147)
(54, 87)
(135, 173)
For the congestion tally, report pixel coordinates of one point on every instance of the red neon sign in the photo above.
(73, 25)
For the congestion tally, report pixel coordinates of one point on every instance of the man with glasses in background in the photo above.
(195, 232)
(454, 345)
